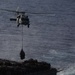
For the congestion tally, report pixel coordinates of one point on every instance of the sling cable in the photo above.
(22, 53)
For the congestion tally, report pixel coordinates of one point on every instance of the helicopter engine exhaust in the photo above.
(12, 19)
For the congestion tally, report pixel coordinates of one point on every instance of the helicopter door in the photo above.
(19, 19)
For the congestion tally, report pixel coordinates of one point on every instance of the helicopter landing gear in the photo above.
(28, 25)
(18, 25)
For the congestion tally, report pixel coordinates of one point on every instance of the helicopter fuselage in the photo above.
(21, 20)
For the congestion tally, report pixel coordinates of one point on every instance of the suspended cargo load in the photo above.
(22, 54)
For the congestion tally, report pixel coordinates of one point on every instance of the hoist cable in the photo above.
(22, 36)
(22, 53)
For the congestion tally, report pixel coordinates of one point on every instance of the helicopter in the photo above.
(21, 18)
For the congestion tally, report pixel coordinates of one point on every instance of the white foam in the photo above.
(68, 71)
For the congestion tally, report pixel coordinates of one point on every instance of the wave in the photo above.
(62, 57)
(69, 71)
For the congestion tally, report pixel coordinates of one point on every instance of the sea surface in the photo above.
(50, 38)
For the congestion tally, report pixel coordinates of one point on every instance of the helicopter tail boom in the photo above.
(12, 19)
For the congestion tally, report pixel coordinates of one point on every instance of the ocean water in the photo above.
(50, 38)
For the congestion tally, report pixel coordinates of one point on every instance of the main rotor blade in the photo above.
(8, 10)
(12, 11)
(38, 13)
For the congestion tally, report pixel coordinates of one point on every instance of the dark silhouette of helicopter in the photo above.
(21, 18)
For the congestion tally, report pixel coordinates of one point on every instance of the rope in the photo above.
(22, 36)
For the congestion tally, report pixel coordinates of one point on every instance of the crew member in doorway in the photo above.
(22, 54)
